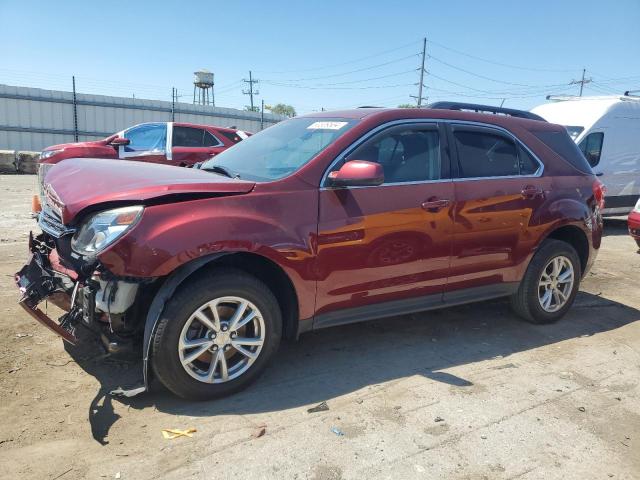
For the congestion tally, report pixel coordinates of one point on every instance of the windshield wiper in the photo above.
(221, 170)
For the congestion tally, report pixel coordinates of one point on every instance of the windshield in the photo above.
(574, 132)
(279, 150)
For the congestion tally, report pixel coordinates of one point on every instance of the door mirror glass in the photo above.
(357, 173)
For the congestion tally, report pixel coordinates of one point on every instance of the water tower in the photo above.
(202, 83)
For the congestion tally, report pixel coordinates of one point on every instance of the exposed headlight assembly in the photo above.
(103, 228)
(48, 153)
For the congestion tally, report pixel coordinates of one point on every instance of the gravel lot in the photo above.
(470, 392)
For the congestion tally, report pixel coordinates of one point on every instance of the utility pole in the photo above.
(75, 110)
(583, 81)
(262, 116)
(419, 98)
(173, 104)
(251, 92)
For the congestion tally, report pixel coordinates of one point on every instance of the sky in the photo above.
(325, 54)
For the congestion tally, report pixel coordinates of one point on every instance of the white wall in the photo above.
(33, 118)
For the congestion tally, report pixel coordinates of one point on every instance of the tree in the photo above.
(282, 109)
(406, 105)
(249, 108)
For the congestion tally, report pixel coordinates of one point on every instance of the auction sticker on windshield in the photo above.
(326, 125)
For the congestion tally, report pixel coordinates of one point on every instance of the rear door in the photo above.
(148, 143)
(392, 241)
(193, 144)
(498, 192)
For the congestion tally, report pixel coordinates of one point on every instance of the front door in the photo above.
(147, 143)
(192, 144)
(392, 241)
(498, 191)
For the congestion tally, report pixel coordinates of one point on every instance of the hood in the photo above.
(95, 143)
(78, 183)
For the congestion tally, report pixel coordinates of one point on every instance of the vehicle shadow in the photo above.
(615, 226)
(337, 361)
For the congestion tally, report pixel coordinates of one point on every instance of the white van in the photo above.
(607, 130)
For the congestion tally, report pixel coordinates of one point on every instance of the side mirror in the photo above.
(118, 141)
(357, 173)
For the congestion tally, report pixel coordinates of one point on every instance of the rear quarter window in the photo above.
(561, 143)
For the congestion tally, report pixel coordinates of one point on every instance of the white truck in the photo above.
(607, 130)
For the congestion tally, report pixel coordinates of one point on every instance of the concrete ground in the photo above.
(467, 393)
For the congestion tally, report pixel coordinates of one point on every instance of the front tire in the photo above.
(216, 335)
(550, 284)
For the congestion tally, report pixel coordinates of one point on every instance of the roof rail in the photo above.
(485, 109)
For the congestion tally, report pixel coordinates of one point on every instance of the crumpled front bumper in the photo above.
(37, 282)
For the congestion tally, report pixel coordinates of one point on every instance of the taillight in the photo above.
(599, 192)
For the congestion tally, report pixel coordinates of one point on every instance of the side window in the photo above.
(233, 136)
(484, 154)
(147, 137)
(527, 164)
(591, 147)
(209, 140)
(407, 154)
(187, 136)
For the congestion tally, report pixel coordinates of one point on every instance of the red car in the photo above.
(634, 223)
(171, 143)
(322, 220)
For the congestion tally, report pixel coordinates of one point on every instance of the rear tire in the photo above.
(550, 283)
(200, 318)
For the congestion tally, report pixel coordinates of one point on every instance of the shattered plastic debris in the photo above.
(321, 407)
(337, 431)
(171, 433)
(132, 392)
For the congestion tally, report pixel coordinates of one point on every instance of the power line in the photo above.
(371, 67)
(489, 78)
(324, 67)
(517, 67)
(308, 87)
(275, 82)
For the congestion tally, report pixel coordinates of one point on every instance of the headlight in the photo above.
(103, 228)
(48, 153)
(637, 207)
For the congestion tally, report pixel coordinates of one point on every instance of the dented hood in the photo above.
(78, 183)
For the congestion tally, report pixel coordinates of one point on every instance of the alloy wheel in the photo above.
(556, 284)
(221, 339)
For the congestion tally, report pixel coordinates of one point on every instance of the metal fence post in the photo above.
(75, 111)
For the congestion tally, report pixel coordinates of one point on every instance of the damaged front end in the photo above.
(92, 297)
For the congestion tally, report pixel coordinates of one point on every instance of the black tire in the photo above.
(525, 301)
(165, 359)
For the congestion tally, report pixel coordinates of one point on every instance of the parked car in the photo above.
(171, 143)
(634, 223)
(607, 131)
(321, 220)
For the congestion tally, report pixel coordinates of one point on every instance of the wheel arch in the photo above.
(574, 236)
(252, 263)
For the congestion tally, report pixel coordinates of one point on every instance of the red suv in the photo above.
(322, 220)
(172, 143)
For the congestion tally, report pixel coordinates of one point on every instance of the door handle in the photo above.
(532, 192)
(599, 174)
(435, 205)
